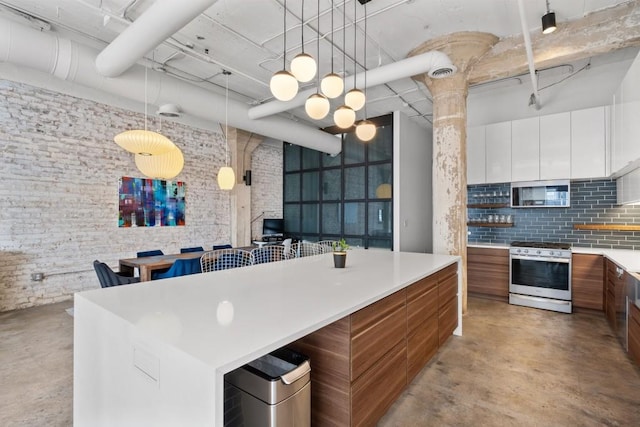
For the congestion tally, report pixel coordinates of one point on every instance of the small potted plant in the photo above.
(340, 253)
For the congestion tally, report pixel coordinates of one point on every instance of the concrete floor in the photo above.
(513, 366)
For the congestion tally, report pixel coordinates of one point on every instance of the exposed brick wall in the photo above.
(592, 201)
(60, 171)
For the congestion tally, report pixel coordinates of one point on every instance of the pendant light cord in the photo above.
(226, 120)
(355, 35)
(145, 98)
(318, 45)
(332, 33)
(302, 27)
(364, 63)
(284, 28)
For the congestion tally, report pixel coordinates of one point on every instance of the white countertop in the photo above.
(253, 310)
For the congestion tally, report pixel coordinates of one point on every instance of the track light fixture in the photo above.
(548, 21)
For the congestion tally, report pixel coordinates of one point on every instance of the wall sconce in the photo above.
(247, 177)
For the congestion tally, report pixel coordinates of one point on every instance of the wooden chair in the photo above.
(327, 245)
(224, 259)
(271, 253)
(302, 249)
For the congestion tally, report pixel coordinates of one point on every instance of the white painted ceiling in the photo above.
(246, 37)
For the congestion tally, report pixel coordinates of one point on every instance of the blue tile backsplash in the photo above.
(592, 201)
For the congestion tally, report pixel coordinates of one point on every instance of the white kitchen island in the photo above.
(155, 353)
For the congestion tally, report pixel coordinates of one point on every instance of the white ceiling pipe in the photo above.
(529, 50)
(73, 62)
(429, 62)
(162, 20)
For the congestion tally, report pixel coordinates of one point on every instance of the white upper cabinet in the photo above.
(555, 146)
(476, 150)
(525, 149)
(629, 187)
(588, 143)
(625, 112)
(498, 152)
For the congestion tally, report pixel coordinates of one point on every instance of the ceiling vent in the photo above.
(442, 72)
(169, 110)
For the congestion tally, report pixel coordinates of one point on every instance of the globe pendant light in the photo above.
(365, 130)
(317, 105)
(303, 66)
(283, 84)
(344, 117)
(144, 142)
(226, 176)
(332, 84)
(355, 97)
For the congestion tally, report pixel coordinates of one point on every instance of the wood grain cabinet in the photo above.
(488, 271)
(587, 273)
(361, 363)
(634, 332)
(614, 294)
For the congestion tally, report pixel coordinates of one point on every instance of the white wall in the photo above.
(412, 168)
(60, 171)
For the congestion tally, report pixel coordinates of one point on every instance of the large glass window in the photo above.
(348, 195)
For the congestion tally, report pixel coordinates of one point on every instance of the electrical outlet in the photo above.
(37, 277)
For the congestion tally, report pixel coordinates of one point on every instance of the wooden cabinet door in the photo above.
(374, 392)
(634, 332)
(587, 274)
(375, 330)
(488, 271)
(422, 324)
(447, 303)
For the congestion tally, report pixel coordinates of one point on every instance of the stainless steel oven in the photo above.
(540, 275)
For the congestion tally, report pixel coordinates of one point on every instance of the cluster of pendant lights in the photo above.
(284, 84)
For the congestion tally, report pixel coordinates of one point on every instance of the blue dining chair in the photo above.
(193, 249)
(149, 253)
(181, 267)
(216, 247)
(108, 277)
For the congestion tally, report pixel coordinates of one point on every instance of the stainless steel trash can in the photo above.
(273, 390)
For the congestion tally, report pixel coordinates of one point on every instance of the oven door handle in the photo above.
(542, 258)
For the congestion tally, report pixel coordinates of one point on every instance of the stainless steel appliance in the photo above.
(540, 194)
(540, 275)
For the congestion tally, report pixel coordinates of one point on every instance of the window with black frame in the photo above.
(348, 195)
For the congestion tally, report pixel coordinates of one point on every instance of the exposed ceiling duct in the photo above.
(436, 64)
(162, 20)
(70, 61)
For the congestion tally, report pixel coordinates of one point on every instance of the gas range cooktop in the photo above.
(542, 245)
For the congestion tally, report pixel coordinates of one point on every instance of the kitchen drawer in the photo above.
(376, 390)
(422, 302)
(375, 330)
(447, 320)
(422, 344)
(447, 290)
(447, 272)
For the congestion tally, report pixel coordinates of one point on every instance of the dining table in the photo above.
(147, 265)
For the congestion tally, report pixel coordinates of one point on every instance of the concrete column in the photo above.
(241, 146)
(450, 142)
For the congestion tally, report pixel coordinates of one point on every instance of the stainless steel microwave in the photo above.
(540, 194)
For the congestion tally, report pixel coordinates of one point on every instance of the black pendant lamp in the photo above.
(548, 21)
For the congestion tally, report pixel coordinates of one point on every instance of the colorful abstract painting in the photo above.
(151, 203)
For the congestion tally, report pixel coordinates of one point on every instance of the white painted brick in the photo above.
(59, 195)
